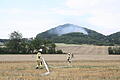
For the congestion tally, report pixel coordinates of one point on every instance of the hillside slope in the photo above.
(114, 38)
(70, 33)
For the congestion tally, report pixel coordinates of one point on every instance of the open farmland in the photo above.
(84, 66)
(79, 70)
(83, 49)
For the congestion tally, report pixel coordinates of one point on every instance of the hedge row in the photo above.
(114, 50)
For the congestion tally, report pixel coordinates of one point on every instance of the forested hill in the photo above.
(114, 38)
(74, 34)
(69, 28)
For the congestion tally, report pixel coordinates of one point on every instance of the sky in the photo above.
(31, 17)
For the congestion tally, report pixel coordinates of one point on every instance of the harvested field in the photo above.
(58, 57)
(89, 63)
(79, 70)
(83, 49)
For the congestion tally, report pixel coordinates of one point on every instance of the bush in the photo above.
(114, 50)
(59, 52)
(4, 51)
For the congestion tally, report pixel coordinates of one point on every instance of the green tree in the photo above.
(36, 43)
(14, 44)
(19, 45)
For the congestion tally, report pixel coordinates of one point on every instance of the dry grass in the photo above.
(79, 70)
(90, 63)
(58, 57)
(83, 49)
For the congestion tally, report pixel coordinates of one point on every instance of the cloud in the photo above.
(11, 11)
(92, 4)
(82, 3)
(18, 11)
(105, 19)
(69, 12)
(108, 22)
(28, 22)
(29, 28)
(100, 15)
(104, 13)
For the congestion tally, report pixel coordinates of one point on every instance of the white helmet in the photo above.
(68, 53)
(40, 50)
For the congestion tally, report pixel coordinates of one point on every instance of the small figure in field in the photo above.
(39, 59)
(69, 58)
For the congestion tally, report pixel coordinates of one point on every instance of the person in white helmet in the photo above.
(69, 57)
(39, 59)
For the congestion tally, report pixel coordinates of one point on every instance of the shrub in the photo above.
(59, 52)
(114, 50)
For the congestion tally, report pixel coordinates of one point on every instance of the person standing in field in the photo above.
(69, 57)
(39, 59)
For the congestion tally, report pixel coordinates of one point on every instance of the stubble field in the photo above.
(89, 63)
(83, 49)
(78, 70)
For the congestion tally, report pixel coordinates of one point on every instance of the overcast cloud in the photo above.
(31, 17)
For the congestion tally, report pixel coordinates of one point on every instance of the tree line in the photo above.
(19, 45)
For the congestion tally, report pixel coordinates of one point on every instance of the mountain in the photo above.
(69, 28)
(70, 33)
(62, 29)
(114, 38)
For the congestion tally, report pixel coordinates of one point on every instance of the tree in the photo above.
(36, 43)
(19, 45)
(14, 44)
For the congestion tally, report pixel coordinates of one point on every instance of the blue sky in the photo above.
(31, 17)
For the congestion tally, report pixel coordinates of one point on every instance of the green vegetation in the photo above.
(93, 38)
(114, 50)
(62, 34)
(18, 45)
(79, 38)
(114, 38)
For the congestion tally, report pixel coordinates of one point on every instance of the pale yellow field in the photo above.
(78, 70)
(83, 49)
(89, 63)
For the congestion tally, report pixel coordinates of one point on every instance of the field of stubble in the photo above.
(59, 70)
(89, 63)
(83, 49)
